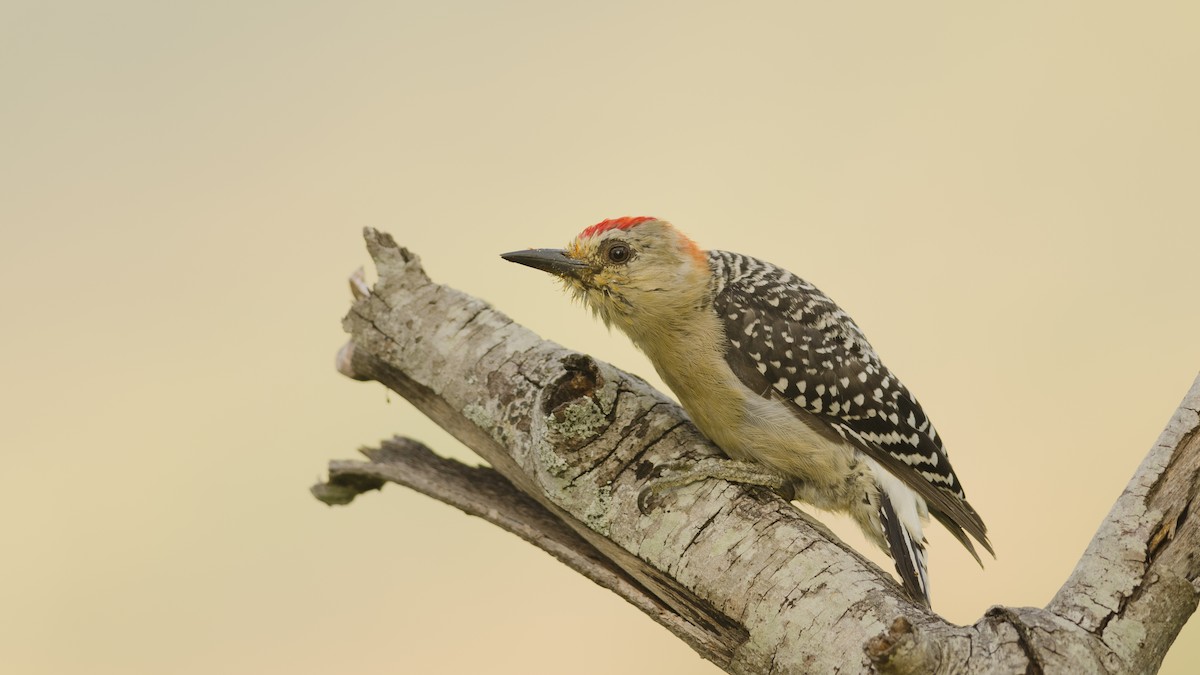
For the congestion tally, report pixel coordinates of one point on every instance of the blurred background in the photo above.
(1004, 197)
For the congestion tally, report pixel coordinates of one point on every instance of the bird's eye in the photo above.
(618, 253)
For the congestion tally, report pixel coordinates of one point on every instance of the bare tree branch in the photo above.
(744, 578)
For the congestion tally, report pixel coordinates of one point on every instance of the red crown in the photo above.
(614, 224)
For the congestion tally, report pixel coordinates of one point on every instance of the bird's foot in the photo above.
(670, 475)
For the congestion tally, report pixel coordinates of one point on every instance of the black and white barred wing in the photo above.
(790, 341)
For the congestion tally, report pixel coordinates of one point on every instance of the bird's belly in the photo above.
(745, 425)
(766, 431)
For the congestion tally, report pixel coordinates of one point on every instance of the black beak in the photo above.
(552, 260)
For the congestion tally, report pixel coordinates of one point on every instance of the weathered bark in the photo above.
(748, 581)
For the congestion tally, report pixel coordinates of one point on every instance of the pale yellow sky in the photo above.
(1004, 197)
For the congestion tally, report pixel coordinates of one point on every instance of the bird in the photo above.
(779, 377)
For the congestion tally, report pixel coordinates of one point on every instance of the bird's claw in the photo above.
(678, 473)
(645, 500)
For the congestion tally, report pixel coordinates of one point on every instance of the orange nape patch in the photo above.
(697, 253)
(615, 224)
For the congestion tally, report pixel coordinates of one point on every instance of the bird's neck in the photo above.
(686, 352)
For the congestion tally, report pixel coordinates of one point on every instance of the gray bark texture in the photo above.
(740, 575)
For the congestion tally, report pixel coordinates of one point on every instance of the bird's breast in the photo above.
(744, 424)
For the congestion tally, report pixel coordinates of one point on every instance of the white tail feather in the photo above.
(909, 509)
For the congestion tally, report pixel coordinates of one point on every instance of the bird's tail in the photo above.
(907, 552)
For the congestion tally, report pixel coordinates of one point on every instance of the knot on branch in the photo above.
(581, 379)
(899, 650)
(578, 405)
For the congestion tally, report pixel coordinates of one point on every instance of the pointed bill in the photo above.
(552, 260)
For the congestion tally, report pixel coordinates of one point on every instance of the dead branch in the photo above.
(748, 581)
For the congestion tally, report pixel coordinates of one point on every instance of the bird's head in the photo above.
(627, 269)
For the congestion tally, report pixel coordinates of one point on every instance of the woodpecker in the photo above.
(777, 376)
